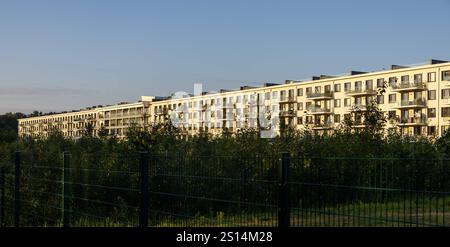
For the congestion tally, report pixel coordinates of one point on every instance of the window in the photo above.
(337, 103)
(432, 95)
(380, 82)
(308, 91)
(432, 112)
(274, 95)
(347, 116)
(282, 95)
(380, 99)
(291, 93)
(347, 102)
(417, 78)
(445, 112)
(308, 105)
(369, 85)
(418, 95)
(392, 98)
(267, 97)
(299, 120)
(317, 89)
(392, 81)
(431, 130)
(347, 86)
(300, 92)
(300, 106)
(337, 87)
(446, 75)
(327, 88)
(358, 85)
(405, 79)
(337, 118)
(391, 115)
(445, 94)
(431, 77)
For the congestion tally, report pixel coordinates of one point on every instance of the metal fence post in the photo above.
(2, 194)
(66, 207)
(284, 211)
(17, 176)
(144, 193)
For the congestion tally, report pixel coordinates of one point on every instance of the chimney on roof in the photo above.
(315, 78)
(288, 82)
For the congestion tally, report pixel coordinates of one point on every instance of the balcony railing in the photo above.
(405, 86)
(288, 99)
(413, 121)
(325, 125)
(161, 111)
(360, 91)
(358, 107)
(325, 95)
(315, 109)
(416, 103)
(288, 113)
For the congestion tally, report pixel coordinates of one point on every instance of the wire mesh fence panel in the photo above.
(114, 189)
(213, 191)
(389, 192)
(39, 189)
(104, 189)
(86, 190)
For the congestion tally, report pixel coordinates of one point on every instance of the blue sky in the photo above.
(62, 55)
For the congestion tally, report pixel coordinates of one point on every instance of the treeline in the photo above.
(163, 139)
(237, 169)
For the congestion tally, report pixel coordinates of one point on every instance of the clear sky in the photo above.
(62, 55)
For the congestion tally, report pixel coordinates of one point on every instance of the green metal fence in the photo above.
(140, 189)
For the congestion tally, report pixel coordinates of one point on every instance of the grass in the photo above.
(420, 212)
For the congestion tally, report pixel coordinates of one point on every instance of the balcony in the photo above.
(319, 96)
(323, 126)
(413, 121)
(357, 107)
(417, 103)
(318, 110)
(289, 113)
(361, 92)
(161, 112)
(409, 86)
(288, 100)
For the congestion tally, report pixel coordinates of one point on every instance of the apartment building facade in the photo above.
(416, 101)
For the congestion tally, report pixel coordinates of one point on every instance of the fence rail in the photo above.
(140, 189)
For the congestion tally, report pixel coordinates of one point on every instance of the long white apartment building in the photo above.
(415, 99)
